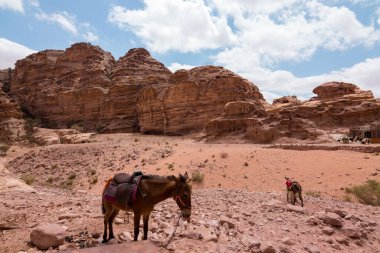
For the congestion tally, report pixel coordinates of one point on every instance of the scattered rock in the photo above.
(333, 219)
(48, 235)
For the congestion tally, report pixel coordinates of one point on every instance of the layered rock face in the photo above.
(12, 126)
(63, 87)
(337, 105)
(191, 98)
(135, 70)
(5, 79)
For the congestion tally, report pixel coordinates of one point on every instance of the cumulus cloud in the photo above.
(181, 25)
(176, 66)
(15, 5)
(91, 37)
(63, 19)
(10, 52)
(274, 84)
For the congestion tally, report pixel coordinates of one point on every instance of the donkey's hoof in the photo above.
(104, 241)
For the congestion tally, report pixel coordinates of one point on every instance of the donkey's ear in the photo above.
(186, 176)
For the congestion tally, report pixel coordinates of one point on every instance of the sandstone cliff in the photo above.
(12, 126)
(135, 70)
(63, 87)
(337, 105)
(191, 98)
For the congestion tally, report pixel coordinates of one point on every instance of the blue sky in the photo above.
(285, 47)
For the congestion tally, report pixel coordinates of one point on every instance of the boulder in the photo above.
(333, 219)
(48, 235)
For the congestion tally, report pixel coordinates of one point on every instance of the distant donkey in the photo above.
(293, 189)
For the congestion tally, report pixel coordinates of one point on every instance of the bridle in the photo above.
(177, 198)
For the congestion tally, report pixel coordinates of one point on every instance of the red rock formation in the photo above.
(12, 126)
(5, 79)
(131, 72)
(64, 87)
(192, 98)
(338, 105)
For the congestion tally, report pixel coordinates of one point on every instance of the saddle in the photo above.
(123, 189)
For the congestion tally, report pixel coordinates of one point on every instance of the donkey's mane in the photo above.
(156, 177)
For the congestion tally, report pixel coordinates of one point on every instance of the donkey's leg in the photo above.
(110, 222)
(136, 220)
(109, 209)
(294, 198)
(146, 222)
(300, 196)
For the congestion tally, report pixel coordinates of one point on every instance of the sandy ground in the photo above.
(248, 167)
(230, 166)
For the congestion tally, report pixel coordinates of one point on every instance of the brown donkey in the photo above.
(151, 190)
(293, 189)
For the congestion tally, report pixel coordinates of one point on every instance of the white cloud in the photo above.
(34, 3)
(63, 19)
(91, 37)
(11, 51)
(181, 25)
(176, 66)
(291, 32)
(15, 5)
(274, 84)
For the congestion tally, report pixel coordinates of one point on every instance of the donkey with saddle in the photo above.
(140, 193)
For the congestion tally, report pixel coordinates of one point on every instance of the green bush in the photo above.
(197, 176)
(367, 193)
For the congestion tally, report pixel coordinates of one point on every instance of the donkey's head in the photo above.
(182, 195)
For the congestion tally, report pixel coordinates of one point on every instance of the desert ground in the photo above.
(243, 187)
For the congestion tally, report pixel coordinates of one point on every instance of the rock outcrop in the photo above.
(12, 126)
(84, 87)
(191, 98)
(63, 87)
(5, 79)
(338, 105)
(135, 70)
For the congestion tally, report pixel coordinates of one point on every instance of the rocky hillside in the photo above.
(83, 86)
(221, 221)
(337, 105)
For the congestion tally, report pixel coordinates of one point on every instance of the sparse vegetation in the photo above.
(315, 194)
(3, 149)
(171, 166)
(224, 155)
(50, 180)
(94, 180)
(28, 179)
(72, 176)
(137, 139)
(367, 193)
(246, 164)
(92, 172)
(197, 176)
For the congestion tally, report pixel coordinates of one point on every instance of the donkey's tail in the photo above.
(104, 190)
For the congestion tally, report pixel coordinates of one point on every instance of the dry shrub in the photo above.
(315, 194)
(3, 149)
(367, 193)
(224, 155)
(197, 177)
(28, 179)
